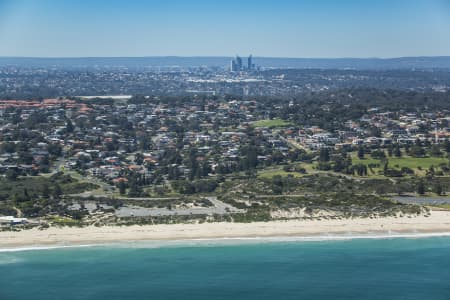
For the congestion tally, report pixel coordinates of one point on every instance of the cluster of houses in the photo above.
(110, 140)
(403, 130)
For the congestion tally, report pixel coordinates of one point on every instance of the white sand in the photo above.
(438, 222)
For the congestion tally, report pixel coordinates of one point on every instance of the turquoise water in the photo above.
(353, 269)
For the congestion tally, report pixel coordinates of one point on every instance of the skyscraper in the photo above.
(236, 64)
(233, 67)
(239, 63)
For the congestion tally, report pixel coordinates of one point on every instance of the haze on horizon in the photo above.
(283, 28)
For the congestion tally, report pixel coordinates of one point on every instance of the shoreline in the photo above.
(227, 241)
(437, 224)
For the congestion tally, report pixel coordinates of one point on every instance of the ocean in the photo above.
(397, 268)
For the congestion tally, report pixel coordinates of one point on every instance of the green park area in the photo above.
(417, 164)
(274, 123)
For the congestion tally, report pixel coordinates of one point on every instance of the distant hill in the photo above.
(441, 62)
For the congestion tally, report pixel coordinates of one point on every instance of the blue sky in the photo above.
(278, 28)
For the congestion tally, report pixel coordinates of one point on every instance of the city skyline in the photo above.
(284, 28)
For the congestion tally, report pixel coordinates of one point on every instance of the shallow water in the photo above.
(400, 268)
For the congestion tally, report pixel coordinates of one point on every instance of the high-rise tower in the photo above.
(239, 63)
(236, 65)
(250, 63)
(233, 67)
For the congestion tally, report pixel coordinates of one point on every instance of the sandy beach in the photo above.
(438, 222)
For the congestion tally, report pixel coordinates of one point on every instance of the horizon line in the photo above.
(221, 56)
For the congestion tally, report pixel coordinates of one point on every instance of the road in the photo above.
(423, 200)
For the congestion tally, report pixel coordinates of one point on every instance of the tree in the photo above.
(277, 184)
(340, 163)
(324, 155)
(430, 172)
(25, 157)
(435, 151)
(135, 190)
(361, 152)
(437, 189)
(251, 157)
(12, 174)
(11, 147)
(360, 169)
(57, 191)
(397, 151)
(447, 146)
(385, 166)
(390, 150)
(138, 158)
(44, 165)
(69, 126)
(45, 191)
(421, 188)
(26, 195)
(417, 151)
(378, 154)
(122, 187)
(54, 149)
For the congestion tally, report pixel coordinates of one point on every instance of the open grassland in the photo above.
(419, 165)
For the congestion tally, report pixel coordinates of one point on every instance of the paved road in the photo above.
(423, 200)
(89, 194)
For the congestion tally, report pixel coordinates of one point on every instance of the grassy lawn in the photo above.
(272, 123)
(400, 162)
(414, 163)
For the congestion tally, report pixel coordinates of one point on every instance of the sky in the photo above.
(271, 28)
